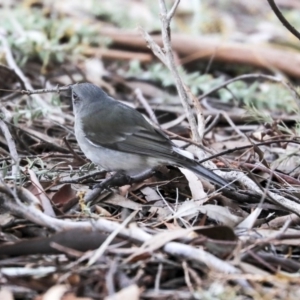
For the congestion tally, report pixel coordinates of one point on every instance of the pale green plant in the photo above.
(45, 38)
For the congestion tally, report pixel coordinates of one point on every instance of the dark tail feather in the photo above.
(203, 172)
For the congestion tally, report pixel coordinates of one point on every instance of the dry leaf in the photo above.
(150, 194)
(6, 294)
(189, 209)
(250, 220)
(56, 292)
(131, 292)
(64, 195)
(195, 185)
(41, 195)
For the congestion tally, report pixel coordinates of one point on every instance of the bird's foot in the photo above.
(142, 176)
(120, 178)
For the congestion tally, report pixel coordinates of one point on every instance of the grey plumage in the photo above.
(117, 137)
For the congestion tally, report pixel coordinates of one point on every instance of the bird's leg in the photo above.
(120, 178)
(142, 176)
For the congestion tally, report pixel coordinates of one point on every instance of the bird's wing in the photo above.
(129, 133)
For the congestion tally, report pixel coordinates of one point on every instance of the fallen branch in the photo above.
(202, 48)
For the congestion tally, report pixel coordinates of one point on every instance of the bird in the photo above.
(118, 138)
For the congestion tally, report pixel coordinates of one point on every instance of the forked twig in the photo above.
(167, 57)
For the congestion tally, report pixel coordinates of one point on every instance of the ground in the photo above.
(224, 89)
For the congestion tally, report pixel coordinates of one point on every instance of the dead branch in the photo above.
(283, 20)
(167, 57)
(202, 48)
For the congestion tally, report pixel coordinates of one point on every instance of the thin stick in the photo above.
(12, 148)
(158, 278)
(187, 277)
(99, 252)
(81, 178)
(76, 156)
(245, 76)
(167, 57)
(166, 36)
(146, 105)
(43, 91)
(12, 63)
(283, 20)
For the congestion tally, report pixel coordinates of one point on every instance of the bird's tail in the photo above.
(203, 172)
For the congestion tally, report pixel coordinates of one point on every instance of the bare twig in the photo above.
(82, 178)
(283, 20)
(17, 77)
(167, 57)
(44, 200)
(49, 144)
(176, 136)
(172, 10)
(145, 104)
(98, 253)
(166, 36)
(187, 277)
(12, 148)
(23, 204)
(293, 91)
(158, 277)
(13, 65)
(76, 156)
(245, 76)
(43, 91)
(235, 128)
(212, 124)
(227, 151)
(249, 184)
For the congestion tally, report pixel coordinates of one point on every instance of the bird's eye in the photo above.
(75, 97)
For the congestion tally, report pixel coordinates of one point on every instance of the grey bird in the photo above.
(118, 138)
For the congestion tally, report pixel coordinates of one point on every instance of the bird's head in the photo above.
(85, 95)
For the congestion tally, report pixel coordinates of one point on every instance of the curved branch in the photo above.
(283, 20)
